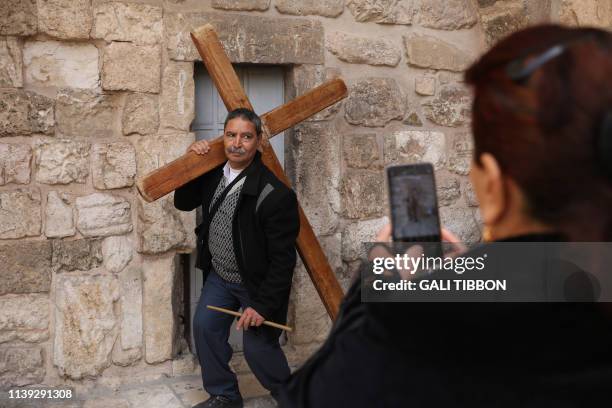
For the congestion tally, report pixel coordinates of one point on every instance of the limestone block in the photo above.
(176, 110)
(425, 85)
(101, 214)
(362, 193)
(502, 18)
(316, 152)
(582, 13)
(61, 161)
(159, 314)
(137, 23)
(15, 160)
(131, 308)
(23, 113)
(27, 267)
(363, 50)
(470, 194)
(460, 221)
(59, 215)
(447, 190)
(306, 77)
(131, 67)
(77, 255)
(446, 14)
(413, 146)
(356, 234)
(246, 38)
(61, 64)
(413, 119)
(374, 102)
(86, 325)
(325, 8)
(107, 402)
(113, 165)
(425, 51)
(382, 11)
(11, 63)
(85, 113)
(20, 214)
(65, 19)
(141, 113)
(24, 318)
(241, 5)
(451, 107)
(117, 253)
(20, 366)
(18, 17)
(461, 153)
(153, 396)
(361, 151)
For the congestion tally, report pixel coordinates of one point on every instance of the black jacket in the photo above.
(459, 355)
(265, 228)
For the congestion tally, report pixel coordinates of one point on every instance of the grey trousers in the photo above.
(262, 350)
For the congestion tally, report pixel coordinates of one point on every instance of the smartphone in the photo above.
(413, 203)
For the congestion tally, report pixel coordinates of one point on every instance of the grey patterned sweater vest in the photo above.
(220, 240)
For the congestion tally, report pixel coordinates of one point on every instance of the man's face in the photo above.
(241, 142)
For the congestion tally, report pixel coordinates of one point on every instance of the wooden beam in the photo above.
(168, 178)
(225, 79)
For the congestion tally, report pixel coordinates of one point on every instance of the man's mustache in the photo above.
(238, 150)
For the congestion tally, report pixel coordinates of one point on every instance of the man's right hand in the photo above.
(200, 147)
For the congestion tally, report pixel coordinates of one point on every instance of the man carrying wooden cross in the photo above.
(246, 249)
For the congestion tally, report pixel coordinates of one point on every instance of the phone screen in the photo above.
(413, 201)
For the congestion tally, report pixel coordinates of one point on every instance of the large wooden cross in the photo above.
(188, 167)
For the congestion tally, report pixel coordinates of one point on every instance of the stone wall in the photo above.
(94, 94)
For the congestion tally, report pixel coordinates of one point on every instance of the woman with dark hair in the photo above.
(542, 171)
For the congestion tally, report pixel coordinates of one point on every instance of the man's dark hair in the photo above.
(247, 115)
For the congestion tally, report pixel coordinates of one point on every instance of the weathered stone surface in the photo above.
(446, 14)
(61, 64)
(61, 161)
(24, 318)
(425, 51)
(363, 50)
(245, 38)
(117, 253)
(382, 11)
(101, 214)
(355, 235)
(162, 227)
(502, 18)
(18, 17)
(374, 102)
(460, 221)
(413, 119)
(325, 8)
(361, 151)
(20, 366)
(176, 110)
(107, 402)
(86, 326)
(413, 146)
(131, 67)
(24, 113)
(137, 23)
(316, 153)
(141, 114)
(460, 157)
(11, 63)
(158, 309)
(586, 13)
(425, 85)
(77, 255)
(59, 215)
(15, 162)
(85, 113)
(20, 213)
(451, 107)
(113, 165)
(447, 190)
(306, 77)
(154, 396)
(131, 308)
(362, 193)
(65, 19)
(26, 267)
(241, 5)
(470, 194)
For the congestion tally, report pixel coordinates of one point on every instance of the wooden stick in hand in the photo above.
(238, 314)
